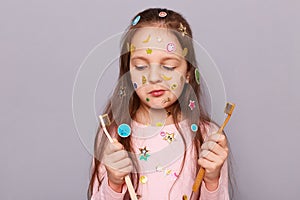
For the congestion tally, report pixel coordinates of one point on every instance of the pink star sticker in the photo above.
(192, 104)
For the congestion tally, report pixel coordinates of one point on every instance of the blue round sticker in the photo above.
(194, 127)
(136, 20)
(124, 130)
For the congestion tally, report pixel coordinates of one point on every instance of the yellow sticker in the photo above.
(148, 51)
(185, 52)
(143, 179)
(132, 48)
(173, 86)
(165, 77)
(144, 80)
(147, 39)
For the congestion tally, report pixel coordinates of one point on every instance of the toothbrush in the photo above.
(104, 120)
(228, 110)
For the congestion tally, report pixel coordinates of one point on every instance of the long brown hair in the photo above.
(115, 107)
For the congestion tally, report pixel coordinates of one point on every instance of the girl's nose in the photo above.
(154, 74)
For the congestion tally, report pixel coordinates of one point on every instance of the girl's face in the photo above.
(157, 67)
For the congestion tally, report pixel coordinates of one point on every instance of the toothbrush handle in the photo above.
(198, 179)
(130, 188)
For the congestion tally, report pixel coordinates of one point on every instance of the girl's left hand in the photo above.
(214, 152)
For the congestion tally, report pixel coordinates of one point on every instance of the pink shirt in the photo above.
(160, 166)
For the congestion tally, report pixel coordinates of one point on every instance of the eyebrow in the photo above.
(163, 59)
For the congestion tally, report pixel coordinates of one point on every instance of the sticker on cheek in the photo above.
(166, 78)
(159, 40)
(171, 47)
(173, 86)
(144, 80)
(147, 39)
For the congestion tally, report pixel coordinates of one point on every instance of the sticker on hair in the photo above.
(185, 52)
(197, 76)
(192, 104)
(171, 47)
(147, 39)
(124, 130)
(194, 127)
(182, 29)
(162, 14)
(135, 85)
(136, 20)
(122, 92)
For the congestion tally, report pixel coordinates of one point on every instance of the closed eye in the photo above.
(169, 68)
(140, 67)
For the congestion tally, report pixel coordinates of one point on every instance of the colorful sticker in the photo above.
(147, 99)
(147, 39)
(182, 29)
(173, 86)
(192, 104)
(148, 51)
(171, 47)
(197, 76)
(159, 124)
(163, 134)
(122, 92)
(144, 80)
(135, 85)
(143, 179)
(184, 197)
(124, 130)
(136, 20)
(169, 137)
(162, 14)
(185, 52)
(194, 127)
(144, 153)
(166, 78)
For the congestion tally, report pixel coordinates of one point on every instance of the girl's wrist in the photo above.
(211, 184)
(116, 187)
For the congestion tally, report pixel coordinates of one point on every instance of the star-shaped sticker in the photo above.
(192, 104)
(144, 153)
(148, 51)
(169, 137)
(122, 92)
(182, 29)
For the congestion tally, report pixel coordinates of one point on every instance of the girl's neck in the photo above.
(154, 117)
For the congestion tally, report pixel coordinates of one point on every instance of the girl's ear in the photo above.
(187, 78)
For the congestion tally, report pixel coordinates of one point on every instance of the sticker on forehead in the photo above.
(132, 48)
(148, 51)
(171, 47)
(147, 39)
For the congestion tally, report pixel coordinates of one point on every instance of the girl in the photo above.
(161, 129)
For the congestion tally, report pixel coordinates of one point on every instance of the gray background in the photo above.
(42, 44)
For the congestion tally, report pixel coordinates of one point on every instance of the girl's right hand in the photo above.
(117, 164)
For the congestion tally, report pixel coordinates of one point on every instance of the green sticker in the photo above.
(197, 76)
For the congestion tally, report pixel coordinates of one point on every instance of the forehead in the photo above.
(156, 38)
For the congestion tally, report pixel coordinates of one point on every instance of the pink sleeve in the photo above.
(105, 192)
(221, 193)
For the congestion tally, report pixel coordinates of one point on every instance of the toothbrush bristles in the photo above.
(229, 108)
(106, 119)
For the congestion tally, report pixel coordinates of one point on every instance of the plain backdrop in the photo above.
(255, 44)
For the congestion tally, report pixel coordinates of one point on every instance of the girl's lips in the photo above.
(157, 93)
